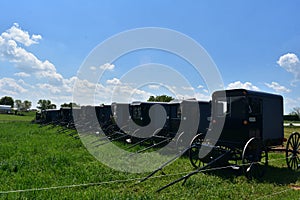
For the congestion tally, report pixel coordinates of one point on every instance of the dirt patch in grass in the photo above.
(295, 187)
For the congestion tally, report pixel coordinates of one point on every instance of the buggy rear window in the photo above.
(234, 106)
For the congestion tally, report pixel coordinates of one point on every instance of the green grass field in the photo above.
(43, 164)
(26, 116)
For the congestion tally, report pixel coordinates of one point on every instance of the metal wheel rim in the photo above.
(293, 151)
(194, 151)
(254, 159)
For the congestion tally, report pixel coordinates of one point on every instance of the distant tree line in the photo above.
(25, 105)
(44, 104)
(9, 101)
(18, 104)
(69, 105)
(160, 98)
(22, 106)
(294, 115)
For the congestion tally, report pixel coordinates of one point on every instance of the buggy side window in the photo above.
(222, 107)
(255, 106)
(137, 112)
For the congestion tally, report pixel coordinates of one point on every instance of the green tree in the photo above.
(69, 105)
(27, 104)
(296, 111)
(161, 98)
(18, 104)
(23, 106)
(7, 101)
(45, 104)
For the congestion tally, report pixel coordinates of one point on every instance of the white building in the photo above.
(5, 109)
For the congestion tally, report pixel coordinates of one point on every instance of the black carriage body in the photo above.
(176, 113)
(140, 115)
(174, 117)
(248, 114)
(51, 115)
(120, 113)
(66, 115)
(103, 114)
(187, 110)
(204, 118)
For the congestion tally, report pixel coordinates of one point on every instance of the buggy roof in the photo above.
(176, 102)
(244, 92)
(137, 103)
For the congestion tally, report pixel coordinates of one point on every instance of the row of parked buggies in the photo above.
(237, 127)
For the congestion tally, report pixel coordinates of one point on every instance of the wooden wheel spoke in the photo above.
(297, 141)
(292, 151)
(194, 151)
(298, 144)
(298, 162)
(293, 141)
(293, 163)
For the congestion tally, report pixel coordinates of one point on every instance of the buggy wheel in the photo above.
(194, 151)
(179, 141)
(254, 159)
(292, 152)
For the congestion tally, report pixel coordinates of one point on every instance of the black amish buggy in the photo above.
(253, 125)
(249, 114)
(249, 125)
(132, 122)
(186, 118)
(50, 116)
(176, 112)
(66, 115)
(148, 118)
(119, 118)
(89, 119)
(151, 115)
(104, 116)
(196, 113)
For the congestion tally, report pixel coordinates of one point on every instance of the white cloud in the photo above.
(291, 64)
(68, 84)
(93, 68)
(15, 33)
(48, 87)
(239, 84)
(45, 83)
(113, 81)
(187, 88)
(154, 87)
(126, 93)
(11, 87)
(22, 74)
(203, 97)
(107, 66)
(11, 51)
(290, 103)
(277, 87)
(200, 86)
(197, 96)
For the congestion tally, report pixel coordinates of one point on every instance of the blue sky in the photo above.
(254, 44)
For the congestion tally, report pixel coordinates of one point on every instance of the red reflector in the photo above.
(284, 139)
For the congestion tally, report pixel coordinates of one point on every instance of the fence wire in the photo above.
(137, 179)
